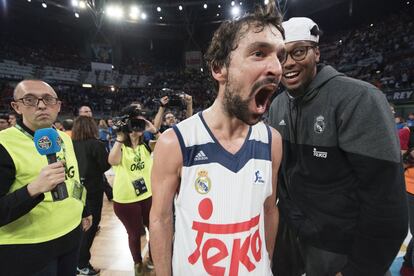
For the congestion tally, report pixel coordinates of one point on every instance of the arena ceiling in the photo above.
(193, 18)
(192, 12)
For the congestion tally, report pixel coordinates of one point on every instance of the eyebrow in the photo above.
(301, 44)
(43, 95)
(259, 45)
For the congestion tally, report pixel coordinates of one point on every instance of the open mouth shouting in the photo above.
(262, 97)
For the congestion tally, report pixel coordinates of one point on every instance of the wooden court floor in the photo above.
(110, 251)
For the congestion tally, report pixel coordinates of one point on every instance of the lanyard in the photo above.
(31, 138)
(24, 131)
(137, 157)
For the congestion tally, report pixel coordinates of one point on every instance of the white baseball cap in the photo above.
(301, 28)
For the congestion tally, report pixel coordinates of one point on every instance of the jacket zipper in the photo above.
(293, 129)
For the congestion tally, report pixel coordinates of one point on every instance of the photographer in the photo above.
(174, 100)
(132, 163)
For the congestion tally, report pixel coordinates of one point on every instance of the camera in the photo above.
(127, 121)
(175, 98)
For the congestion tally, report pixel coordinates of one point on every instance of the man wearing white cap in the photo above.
(341, 187)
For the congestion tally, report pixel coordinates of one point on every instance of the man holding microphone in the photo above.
(38, 235)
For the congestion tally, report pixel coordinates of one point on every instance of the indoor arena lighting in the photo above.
(87, 85)
(205, 6)
(29, 1)
(266, 2)
(82, 5)
(75, 3)
(44, 4)
(158, 9)
(76, 15)
(180, 7)
(134, 13)
(235, 11)
(143, 16)
(115, 12)
(133, 16)
(232, 3)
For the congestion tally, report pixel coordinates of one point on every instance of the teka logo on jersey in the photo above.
(320, 154)
(224, 244)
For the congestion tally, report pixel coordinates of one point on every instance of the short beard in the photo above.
(235, 106)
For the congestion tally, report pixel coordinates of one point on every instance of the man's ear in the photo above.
(317, 54)
(219, 73)
(16, 107)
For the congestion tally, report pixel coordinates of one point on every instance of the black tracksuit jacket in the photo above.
(341, 185)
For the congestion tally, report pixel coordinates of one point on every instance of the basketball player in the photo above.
(222, 163)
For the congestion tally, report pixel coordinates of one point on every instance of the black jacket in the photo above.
(341, 184)
(93, 162)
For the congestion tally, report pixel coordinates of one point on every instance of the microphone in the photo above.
(47, 142)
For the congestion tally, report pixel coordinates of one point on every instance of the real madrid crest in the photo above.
(319, 125)
(202, 183)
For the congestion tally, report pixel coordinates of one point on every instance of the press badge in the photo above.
(77, 190)
(139, 186)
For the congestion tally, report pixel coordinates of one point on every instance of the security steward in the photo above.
(38, 236)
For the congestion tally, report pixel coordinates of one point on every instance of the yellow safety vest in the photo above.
(49, 219)
(135, 164)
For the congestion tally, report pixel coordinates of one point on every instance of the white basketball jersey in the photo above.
(219, 228)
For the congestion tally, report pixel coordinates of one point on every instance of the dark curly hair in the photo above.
(227, 36)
